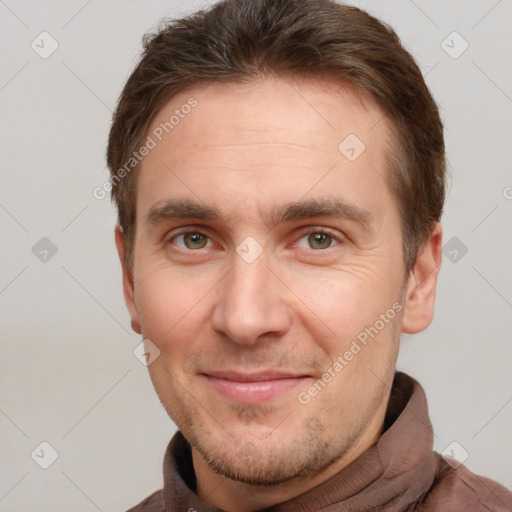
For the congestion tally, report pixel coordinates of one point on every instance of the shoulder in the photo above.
(153, 503)
(456, 487)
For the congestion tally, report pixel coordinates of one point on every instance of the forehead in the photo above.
(292, 106)
(271, 140)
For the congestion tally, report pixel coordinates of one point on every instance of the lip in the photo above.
(253, 388)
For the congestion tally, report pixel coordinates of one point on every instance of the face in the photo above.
(268, 270)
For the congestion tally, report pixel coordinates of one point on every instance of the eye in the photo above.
(318, 240)
(191, 240)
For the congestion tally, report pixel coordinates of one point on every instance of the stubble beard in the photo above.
(278, 457)
(263, 462)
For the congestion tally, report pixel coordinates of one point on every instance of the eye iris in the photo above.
(322, 239)
(197, 241)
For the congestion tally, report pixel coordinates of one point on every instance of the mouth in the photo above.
(253, 388)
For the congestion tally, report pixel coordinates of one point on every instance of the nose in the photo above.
(252, 303)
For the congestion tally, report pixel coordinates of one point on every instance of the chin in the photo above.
(270, 459)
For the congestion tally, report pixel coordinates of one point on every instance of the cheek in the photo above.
(169, 306)
(341, 314)
(344, 302)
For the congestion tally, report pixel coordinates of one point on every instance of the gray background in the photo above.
(68, 374)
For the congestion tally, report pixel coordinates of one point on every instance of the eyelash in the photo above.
(335, 238)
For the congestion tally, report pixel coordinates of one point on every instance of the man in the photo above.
(278, 168)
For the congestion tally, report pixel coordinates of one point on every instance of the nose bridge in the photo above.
(251, 302)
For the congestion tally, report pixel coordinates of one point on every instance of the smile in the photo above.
(254, 388)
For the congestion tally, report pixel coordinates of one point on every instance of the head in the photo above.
(278, 169)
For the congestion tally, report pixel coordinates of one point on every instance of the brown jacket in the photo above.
(400, 472)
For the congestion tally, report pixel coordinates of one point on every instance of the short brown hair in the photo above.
(239, 40)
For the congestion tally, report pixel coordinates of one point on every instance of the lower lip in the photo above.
(254, 392)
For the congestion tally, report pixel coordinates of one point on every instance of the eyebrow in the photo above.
(176, 209)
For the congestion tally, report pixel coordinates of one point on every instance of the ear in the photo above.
(421, 286)
(128, 287)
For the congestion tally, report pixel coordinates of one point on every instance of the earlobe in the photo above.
(128, 281)
(421, 287)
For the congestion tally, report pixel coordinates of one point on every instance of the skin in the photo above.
(244, 149)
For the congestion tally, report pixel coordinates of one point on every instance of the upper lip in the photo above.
(245, 376)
